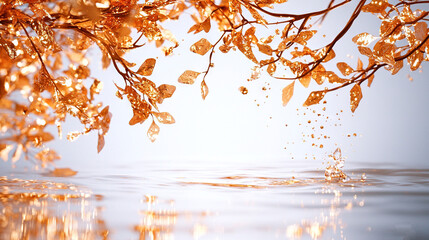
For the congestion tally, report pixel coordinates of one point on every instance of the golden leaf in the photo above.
(355, 97)
(305, 81)
(9, 47)
(389, 27)
(365, 51)
(363, 39)
(244, 44)
(344, 68)
(266, 49)
(314, 98)
(204, 90)
(201, 47)
(359, 65)
(396, 67)
(105, 60)
(370, 79)
(271, 69)
(100, 144)
(47, 156)
(421, 30)
(147, 67)
(317, 74)
(407, 14)
(188, 77)
(164, 117)
(287, 93)
(62, 172)
(376, 6)
(415, 60)
(44, 33)
(166, 90)
(206, 25)
(153, 131)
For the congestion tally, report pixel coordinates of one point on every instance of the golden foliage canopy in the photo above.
(44, 73)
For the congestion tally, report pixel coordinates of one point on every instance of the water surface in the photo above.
(220, 201)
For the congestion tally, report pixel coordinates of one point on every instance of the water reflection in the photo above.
(32, 209)
(237, 204)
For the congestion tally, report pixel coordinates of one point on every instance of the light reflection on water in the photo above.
(216, 202)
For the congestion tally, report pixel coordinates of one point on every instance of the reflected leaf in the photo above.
(62, 172)
(153, 132)
(201, 47)
(147, 67)
(188, 77)
(355, 97)
(287, 93)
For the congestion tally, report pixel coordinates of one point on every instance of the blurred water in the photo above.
(221, 201)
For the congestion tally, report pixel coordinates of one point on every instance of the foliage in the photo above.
(45, 77)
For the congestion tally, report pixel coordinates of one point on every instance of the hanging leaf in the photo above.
(314, 98)
(164, 117)
(363, 39)
(147, 67)
(344, 68)
(317, 74)
(359, 65)
(206, 25)
(415, 60)
(188, 77)
(305, 81)
(370, 79)
(266, 49)
(421, 30)
(287, 93)
(153, 132)
(271, 69)
(376, 6)
(204, 90)
(166, 90)
(100, 144)
(355, 97)
(365, 51)
(201, 47)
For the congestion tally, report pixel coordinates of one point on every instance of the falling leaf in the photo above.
(62, 172)
(188, 77)
(100, 144)
(204, 90)
(164, 117)
(243, 90)
(363, 39)
(153, 132)
(147, 67)
(344, 68)
(287, 93)
(314, 98)
(355, 97)
(201, 47)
